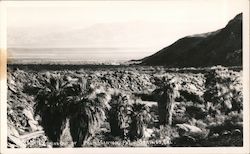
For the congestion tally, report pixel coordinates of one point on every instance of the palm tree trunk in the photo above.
(166, 107)
(78, 130)
(66, 138)
(170, 108)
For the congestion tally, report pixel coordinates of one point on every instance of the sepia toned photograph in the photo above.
(126, 74)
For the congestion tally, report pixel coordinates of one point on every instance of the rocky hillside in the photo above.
(221, 47)
(207, 107)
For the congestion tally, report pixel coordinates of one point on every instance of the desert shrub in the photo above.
(163, 136)
(153, 110)
(234, 117)
(224, 130)
(224, 104)
(186, 95)
(223, 89)
(196, 111)
(225, 123)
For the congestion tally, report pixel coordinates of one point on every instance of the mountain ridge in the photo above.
(221, 47)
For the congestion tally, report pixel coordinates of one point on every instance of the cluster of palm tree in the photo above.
(63, 97)
(87, 107)
(128, 117)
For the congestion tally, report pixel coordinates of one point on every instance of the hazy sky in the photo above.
(29, 23)
(212, 12)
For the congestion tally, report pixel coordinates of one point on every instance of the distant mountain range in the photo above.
(115, 35)
(221, 47)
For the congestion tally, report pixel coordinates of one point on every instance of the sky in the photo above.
(86, 13)
(149, 25)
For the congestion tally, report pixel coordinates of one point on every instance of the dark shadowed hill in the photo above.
(221, 47)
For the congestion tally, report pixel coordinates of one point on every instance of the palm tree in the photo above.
(166, 95)
(62, 97)
(127, 116)
(119, 116)
(87, 116)
(140, 118)
(51, 103)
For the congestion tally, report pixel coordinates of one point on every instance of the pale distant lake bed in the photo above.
(75, 55)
